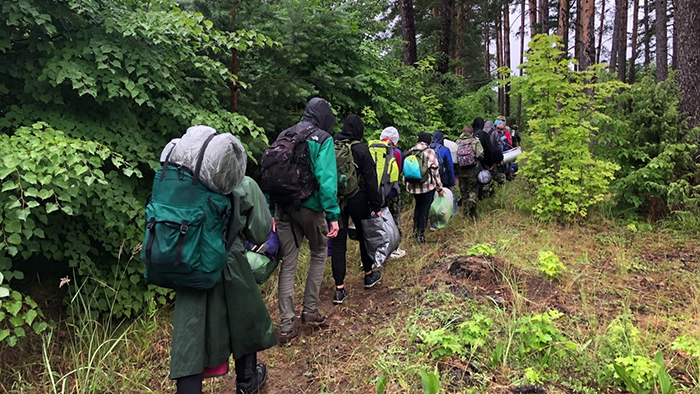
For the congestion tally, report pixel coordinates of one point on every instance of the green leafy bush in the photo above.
(538, 333)
(483, 249)
(562, 107)
(90, 92)
(466, 339)
(654, 150)
(550, 265)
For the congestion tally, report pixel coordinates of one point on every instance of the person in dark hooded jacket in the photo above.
(487, 161)
(447, 169)
(357, 207)
(309, 220)
(478, 126)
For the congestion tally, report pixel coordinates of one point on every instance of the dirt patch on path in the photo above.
(494, 279)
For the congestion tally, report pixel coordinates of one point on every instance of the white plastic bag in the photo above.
(381, 236)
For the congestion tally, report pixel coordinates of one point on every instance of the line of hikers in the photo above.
(213, 235)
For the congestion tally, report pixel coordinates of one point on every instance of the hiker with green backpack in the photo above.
(359, 197)
(421, 171)
(201, 212)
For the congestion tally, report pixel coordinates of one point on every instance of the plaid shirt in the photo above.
(433, 182)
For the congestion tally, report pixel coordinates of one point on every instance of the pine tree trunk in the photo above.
(459, 40)
(506, 53)
(661, 41)
(487, 54)
(601, 30)
(688, 19)
(635, 34)
(622, 42)
(647, 35)
(578, 35)
(544, 16)
(533, 18)
(588, 34)
(674, 37)
(522, 57)
(499, 59)
(563, 25)
(408, 33)
(446, 27)
(615, 38)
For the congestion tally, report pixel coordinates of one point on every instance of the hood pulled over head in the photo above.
(439, 137)
(425, 137)
(319, 112)
(353, 129)
(488, 126)
(391, 133)
(478, 123)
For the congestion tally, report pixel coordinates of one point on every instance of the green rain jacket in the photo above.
(230, 319)
(322, 152)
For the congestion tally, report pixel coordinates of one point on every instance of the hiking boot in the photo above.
(340, 296)
(312, 318)
(287, 336)
(472, 213)
(420, 239)
(257, 382)
(372, 279)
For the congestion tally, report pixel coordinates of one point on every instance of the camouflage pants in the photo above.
(469, 189)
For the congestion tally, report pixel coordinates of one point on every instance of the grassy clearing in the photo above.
(482, 325)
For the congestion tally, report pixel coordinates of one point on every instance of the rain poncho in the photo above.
(224, 161)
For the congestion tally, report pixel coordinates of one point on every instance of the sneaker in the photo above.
(287, 336)
(312, 318)
(257, 382)
(420, 239)
(397, 254)
(340, 296)
(372, 279)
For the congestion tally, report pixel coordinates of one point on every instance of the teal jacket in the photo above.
(322, 151)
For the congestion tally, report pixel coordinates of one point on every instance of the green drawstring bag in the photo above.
(261, 265)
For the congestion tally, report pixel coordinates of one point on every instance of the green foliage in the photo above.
(640, 375)
(483, 249)
(563, 106)
(469, 336)
(94, 342)
(430, 381)
(687, 345)
(91, 91)
(550, 265)
(538, 333)
(621, 339)
(654, 149)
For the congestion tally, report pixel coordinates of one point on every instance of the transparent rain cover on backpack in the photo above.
(224, 163)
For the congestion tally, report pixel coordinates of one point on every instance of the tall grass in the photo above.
(96, 357)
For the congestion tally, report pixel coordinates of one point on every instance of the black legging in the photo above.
(245, 373)
(358, 209)
(420, 212)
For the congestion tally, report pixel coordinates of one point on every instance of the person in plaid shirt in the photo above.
(424, 192)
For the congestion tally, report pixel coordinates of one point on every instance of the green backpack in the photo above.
(348, 181)
(185, 242)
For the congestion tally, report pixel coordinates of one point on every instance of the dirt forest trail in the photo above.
(610, 271)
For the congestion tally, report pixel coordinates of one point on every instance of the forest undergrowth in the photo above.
(505, 303)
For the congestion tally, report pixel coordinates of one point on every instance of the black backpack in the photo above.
(286, 174)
